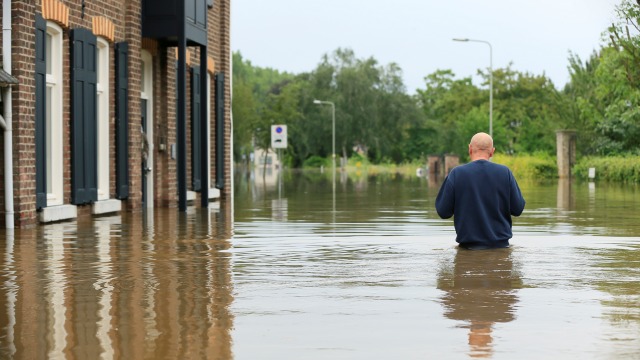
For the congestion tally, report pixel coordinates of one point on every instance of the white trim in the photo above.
(147, 93)
(55, 185)
(102, 95)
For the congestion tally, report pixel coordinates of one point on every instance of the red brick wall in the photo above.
(220, 50)
(125, 15)
(23, 39)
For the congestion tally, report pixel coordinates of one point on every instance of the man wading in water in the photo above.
(482, 197)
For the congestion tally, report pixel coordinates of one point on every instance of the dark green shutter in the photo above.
(41, 106)
(122, 120)
(219, 88)
(196, 120)
(84, 172)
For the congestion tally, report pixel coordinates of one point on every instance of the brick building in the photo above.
(119, 105)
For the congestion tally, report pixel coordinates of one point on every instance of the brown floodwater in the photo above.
(300, 268)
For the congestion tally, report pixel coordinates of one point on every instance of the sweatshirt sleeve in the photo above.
(445, 200)
(517, 200)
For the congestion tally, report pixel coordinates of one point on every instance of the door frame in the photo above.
(146, 93)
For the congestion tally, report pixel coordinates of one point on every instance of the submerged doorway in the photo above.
(146, 128)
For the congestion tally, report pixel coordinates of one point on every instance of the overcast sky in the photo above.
(536, 36)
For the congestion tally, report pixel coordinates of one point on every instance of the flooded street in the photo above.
(302, 269)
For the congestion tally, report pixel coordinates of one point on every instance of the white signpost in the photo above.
(278, 136)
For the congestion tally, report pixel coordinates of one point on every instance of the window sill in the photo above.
(106, 206)
(214, 193)
(58, 213)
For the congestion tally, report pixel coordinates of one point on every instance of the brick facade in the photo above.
(122, 18)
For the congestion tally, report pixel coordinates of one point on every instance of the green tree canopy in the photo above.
(376, 117)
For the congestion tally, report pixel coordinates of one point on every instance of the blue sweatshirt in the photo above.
(482, 196)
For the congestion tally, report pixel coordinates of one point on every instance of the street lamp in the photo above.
(490, 80)
(333, 112)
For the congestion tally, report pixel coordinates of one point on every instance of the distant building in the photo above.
(268, 158)
(119, 105)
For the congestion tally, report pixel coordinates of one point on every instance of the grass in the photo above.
(525, 167)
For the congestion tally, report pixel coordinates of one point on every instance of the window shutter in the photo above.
(122, 120)
(84, 173)
(41, 122)
(219, 89)
(196, 119)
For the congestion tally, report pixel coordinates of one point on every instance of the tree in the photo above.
(445, 102)
(252, 87)
(604, 90)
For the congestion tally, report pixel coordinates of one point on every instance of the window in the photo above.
(102, 93)
(53, 114)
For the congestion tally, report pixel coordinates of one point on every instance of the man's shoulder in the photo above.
(501, 166)
(480, 164)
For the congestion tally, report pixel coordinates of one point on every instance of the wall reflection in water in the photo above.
(434, 180)
(480, 290)
(135, 286)
(566, 200)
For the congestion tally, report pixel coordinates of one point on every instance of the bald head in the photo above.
(481, 147)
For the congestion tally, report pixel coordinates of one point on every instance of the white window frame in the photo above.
(102, 94)
(53, 111)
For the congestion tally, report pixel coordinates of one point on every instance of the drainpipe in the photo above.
(8, 115)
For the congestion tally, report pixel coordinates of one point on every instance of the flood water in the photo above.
(299, 268)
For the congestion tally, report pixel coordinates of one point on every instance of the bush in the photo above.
(611, 168)
(316, 161)
(537, 166)
(357, 160)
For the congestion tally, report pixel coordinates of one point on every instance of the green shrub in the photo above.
(316, 161)
(611, 168)
(357, 160)
(537, 166)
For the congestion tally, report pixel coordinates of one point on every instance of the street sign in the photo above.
(278, 136)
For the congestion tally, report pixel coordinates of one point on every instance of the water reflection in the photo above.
(566, 200)
(315, 273)
(480, 290)
(616, 272)
(434, 180)
(8, 297)
(119, 287)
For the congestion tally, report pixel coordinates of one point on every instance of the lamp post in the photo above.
(490, 80)
(333, 126)
(333, 150)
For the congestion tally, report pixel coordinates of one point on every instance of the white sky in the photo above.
(535, 35)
